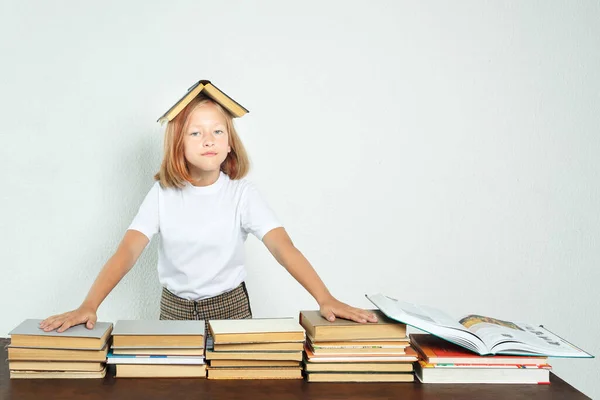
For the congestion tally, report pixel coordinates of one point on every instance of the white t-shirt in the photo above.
(202, 232)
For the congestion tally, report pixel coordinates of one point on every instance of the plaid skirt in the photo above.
(234, 304)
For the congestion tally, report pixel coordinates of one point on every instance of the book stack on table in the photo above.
(269, 348)
(443, 362)
(347, 351)
(76, 353)
(159, 349)
(477, 348)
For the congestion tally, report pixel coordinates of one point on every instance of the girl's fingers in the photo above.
(45, 322)
(55, 323)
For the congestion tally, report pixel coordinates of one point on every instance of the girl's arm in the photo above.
(280, 245)
(114, 270)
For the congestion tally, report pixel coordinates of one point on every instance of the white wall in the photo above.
(444, 153)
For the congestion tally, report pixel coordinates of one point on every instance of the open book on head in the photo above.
(482, 335)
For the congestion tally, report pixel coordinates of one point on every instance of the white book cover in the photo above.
(154, 359)
(255, 325)
(159, 328)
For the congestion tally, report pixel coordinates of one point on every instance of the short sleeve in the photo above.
(257, 217)
(146, 220)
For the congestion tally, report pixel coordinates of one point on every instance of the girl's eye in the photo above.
(219, 132)
(194, 134)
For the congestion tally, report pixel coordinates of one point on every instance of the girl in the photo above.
(203, 209)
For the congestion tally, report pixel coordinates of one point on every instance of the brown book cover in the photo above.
(321, 329)
(209, 89)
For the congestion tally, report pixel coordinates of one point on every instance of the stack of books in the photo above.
(347, 351)
(158, 349)
(255, 349)
(477, 348)
(444, 362)
(76, 353)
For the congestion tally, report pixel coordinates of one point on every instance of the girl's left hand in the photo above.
(332, 308)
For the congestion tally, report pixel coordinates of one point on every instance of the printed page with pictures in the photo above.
(483, 335)
(505, 337)
(430, 320)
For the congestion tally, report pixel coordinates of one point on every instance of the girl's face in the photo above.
(206, 142)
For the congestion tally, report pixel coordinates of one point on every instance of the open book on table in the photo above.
(482, 335)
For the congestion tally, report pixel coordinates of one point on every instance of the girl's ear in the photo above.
(229, 149)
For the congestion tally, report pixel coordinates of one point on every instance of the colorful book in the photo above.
(480, 334)
(438, 351)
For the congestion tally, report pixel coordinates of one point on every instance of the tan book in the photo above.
(389, 343)
(159, 352)
(57, 375)
(257, 330)
(255, 355)
(358, 351)
(55, 366)
(359, 377)
(252, 363)
(409, 356)
(160, 371)
(359, 367)
(209, 89)
(34, 354)
(158, 334)
(29, 334)
(321, 329)
(285, 346)
(255, 373)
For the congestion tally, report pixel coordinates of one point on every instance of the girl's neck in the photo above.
(205, 179)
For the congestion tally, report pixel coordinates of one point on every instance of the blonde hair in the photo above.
(174, 171)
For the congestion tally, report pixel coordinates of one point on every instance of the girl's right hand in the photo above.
(82, 315)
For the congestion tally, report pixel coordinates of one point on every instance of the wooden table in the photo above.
(110, 388)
